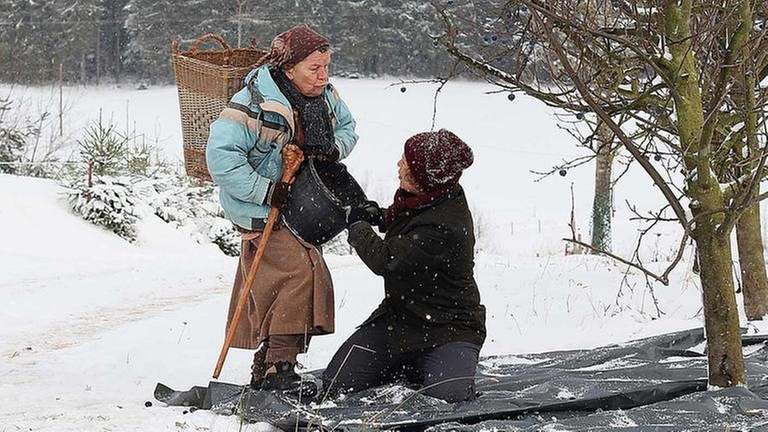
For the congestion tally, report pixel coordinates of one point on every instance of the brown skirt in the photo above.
(292, 292)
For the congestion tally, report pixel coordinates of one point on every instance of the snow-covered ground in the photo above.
(90, 323)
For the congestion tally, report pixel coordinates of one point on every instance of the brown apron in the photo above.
(292, 292)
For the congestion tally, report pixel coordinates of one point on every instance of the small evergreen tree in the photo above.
(11, 142)
(106, 147)
(110, 203)
(13, 139)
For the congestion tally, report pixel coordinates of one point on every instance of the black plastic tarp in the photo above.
(653, 384)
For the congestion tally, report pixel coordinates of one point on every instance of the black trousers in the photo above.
(367, 360)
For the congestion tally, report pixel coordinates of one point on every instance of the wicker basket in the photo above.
(206, 80)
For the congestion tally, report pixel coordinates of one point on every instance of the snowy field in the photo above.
(90, 323)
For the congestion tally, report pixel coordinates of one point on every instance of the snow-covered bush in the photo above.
(338, 245)
(192, 208)
(14, 133)
(11, 140)
(11, 150)
(225, 236)
(118, 203)
(110, 203)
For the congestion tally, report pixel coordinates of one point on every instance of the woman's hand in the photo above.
(367, 211)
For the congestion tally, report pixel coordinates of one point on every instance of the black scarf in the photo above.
(405, 201)
(313, 112)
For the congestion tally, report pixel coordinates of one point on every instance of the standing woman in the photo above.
(287, 109)
(430, 326)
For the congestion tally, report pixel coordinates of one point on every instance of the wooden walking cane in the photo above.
(291, 161)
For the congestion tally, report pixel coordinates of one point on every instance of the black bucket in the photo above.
(315, 211)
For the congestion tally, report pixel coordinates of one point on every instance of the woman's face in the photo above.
(310, 75)
(406, 179)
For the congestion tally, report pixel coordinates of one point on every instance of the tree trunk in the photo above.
(721, 318)
(748, 228)
(601, 205)
(117, 57)
(752, 264)
(82, 69)
(98, 54)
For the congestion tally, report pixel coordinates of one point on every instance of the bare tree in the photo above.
(677, 68)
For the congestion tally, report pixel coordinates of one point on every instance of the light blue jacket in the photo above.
(245, 144)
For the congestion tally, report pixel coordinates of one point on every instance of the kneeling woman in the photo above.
(430, 326)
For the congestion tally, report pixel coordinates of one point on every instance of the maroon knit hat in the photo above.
(436, 159)
(294, 45)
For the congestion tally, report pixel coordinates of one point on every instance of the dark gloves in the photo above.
(367, 211)
(278, 194)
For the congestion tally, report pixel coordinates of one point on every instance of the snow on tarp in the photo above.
(653, 384)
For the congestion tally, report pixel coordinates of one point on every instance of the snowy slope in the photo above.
(89, 323)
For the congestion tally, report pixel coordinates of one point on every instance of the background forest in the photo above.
(98, 41)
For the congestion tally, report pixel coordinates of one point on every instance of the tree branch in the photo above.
(587, 95)
(663, 279)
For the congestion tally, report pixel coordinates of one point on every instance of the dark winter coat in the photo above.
(427, 261)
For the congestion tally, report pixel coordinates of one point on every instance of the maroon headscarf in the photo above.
(294, 45)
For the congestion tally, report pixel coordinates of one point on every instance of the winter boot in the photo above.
(259, 367)
(283, 377)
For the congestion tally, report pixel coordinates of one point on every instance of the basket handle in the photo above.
(260, 61)
(205, 37)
